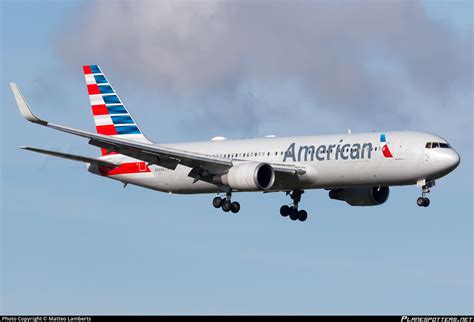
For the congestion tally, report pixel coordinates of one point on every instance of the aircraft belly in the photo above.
(178, 181)
(336, 173)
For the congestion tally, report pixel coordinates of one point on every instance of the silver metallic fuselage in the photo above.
(411, 161)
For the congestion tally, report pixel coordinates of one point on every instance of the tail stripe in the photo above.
(105, 89)
(93, 89)
(110, 115)
(100, 79)
(103, 120)
(116, 109)
(122, 119)
(127, 129)
(91, 69)
(106, 129)
(99, 109)
(111, 99)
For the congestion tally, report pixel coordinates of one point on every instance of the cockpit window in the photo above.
(433, 145)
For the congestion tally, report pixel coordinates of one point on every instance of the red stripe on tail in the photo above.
(93, 89)
(87, 69)
(99, 109)
(106, 129)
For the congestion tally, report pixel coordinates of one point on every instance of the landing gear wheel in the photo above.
(235, 207)
(293, 214)
(420, 201)
(425, 189)
(217, 202)
(423, 202)
(427, 202)
(302, 215)
(226, 205)
(284, 210)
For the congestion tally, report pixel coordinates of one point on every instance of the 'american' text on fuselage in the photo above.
(328, 152)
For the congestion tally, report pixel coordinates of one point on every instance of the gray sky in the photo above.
(357, 59)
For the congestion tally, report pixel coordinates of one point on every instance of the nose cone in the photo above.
(451, 160)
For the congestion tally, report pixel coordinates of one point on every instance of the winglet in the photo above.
(25, 109)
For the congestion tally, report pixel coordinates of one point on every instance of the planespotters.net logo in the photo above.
(437, 319)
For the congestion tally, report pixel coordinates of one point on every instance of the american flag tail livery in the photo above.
(110, 115)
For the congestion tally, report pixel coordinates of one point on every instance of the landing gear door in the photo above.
(400, 150)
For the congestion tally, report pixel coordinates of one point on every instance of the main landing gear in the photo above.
(423, 201)
(292, 211)
(226, 204)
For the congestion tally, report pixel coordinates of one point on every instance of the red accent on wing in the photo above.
(87, 69)
(386, 152)
(93, 89)
(125, 168)
(106, 129)
(99, 109)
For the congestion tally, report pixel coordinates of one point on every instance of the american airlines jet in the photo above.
(355, 168)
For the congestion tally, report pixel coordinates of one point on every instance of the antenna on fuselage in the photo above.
(349, 131)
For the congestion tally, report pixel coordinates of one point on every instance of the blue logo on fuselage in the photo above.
(328, 152)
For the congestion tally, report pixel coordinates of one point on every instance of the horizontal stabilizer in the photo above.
(72, 157)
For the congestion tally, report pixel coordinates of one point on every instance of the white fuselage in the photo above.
(330, 161)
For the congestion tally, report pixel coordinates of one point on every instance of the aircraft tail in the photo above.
(110, 115)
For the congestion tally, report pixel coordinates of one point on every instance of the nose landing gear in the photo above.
(226, 204)
(423, 201)
(292, 211)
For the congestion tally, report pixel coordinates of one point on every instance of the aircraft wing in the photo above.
(201, 164)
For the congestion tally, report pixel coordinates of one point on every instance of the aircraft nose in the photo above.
(451, 160)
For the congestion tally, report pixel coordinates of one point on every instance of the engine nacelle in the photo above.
(371, 196)
(249, 176)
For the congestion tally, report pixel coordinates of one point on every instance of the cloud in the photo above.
(357, 59)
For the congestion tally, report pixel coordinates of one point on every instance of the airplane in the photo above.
(355, 168)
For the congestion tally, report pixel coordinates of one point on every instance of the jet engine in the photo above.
(249, 176)
(366, 196)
